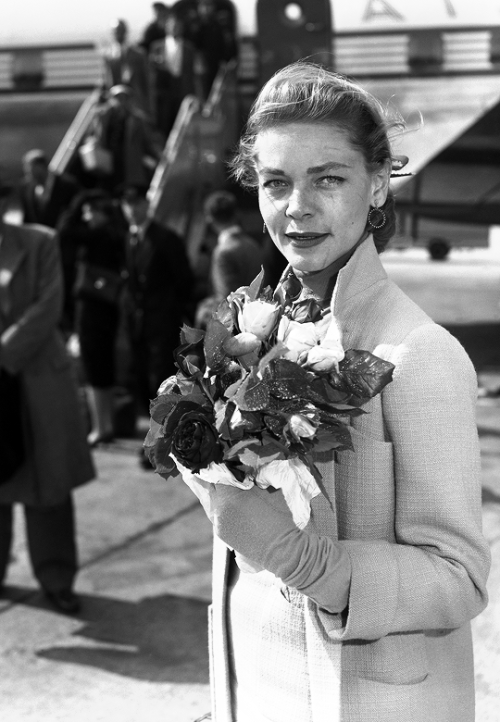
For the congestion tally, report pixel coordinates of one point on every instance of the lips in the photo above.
(305, 239)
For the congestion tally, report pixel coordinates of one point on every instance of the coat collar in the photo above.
(361, 271)
(12, 252)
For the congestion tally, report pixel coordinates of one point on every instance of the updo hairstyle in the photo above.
(307, 93)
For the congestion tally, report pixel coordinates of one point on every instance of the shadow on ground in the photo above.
(158, 639)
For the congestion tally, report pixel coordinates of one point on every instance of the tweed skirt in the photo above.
(267, 650)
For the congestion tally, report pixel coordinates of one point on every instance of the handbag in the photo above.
(98, 284)
(95, 158)
(12, 445)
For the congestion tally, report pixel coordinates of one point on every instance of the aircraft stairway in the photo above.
(192, 163)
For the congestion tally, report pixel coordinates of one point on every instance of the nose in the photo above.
(300, 204)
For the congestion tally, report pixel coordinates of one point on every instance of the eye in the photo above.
(327, 181)
(274, 184)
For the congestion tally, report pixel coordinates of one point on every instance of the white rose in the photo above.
(259, 318)
(298, 337)
(301, 426)
(168, 385)
(241, 344)
(325, 356)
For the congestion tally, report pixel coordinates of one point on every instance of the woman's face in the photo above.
(314, 192)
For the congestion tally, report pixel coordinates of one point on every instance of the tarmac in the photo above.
(137, 652)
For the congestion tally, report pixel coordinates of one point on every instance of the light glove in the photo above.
(258, 525)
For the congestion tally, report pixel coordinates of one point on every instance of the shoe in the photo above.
(94, 441)
(65, 600)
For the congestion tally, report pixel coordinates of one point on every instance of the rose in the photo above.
(317, 346)
(325, 357)
(241, 344)
(258, 318)
(168, 386)
(301, 427)
(299, 338)
(194, 441)
(190, 357)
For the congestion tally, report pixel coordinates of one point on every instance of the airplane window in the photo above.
(294, 14)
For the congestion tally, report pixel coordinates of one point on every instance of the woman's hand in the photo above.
(258, 525)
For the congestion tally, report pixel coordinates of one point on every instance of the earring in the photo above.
(264, 228)
(379, 220)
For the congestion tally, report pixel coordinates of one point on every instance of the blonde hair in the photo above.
(307, 93)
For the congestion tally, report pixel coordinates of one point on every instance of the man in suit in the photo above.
(126, 64)
(173, 77)
(129, 135)
(213, 43)
(38, 390)
(159, 294)
(155, 30)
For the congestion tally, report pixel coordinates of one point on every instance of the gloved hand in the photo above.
(258, 525)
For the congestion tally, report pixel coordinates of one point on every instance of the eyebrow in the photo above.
(332, 165)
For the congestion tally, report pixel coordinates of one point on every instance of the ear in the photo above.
(380, 184)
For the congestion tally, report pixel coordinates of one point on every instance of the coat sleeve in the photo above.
(434, 575)
(22, 339)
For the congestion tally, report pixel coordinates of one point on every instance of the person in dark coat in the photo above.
(173, 71)
(130, 137)
(155, 30)
(94, 231)
(158, 298)
(43, 195)
(237, 258)
(37, 382)
(127, 64)
(213, 42)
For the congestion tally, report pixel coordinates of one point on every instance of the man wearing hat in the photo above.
(156, 28)
(126, 64)
(172, 61)
(129, 135)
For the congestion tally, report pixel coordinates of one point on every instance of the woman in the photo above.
(39, 412)
(364, 615)
(95, 232)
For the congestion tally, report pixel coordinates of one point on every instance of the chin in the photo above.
(306, 265)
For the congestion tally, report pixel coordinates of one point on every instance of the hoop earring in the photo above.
(381, 218)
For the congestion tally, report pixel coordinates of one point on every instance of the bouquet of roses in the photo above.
(256, 394)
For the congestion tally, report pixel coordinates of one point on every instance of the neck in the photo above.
(320, 283)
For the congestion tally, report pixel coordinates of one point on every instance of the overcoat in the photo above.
(31, 345)
(408, 511)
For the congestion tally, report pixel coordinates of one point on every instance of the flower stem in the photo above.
(206, 391)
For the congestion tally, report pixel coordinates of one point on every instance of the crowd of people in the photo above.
(144, 83)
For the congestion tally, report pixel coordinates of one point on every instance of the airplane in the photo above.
(436, 61)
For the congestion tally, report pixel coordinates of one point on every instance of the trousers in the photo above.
(51, 543)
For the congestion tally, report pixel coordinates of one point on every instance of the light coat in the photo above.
(31, 345)
(408, 510)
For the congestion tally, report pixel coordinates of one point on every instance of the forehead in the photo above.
(305, 144)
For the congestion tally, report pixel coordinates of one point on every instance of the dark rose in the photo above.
(195, 442)
(190, 358)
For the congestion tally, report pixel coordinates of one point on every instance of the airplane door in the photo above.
(288, 31)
